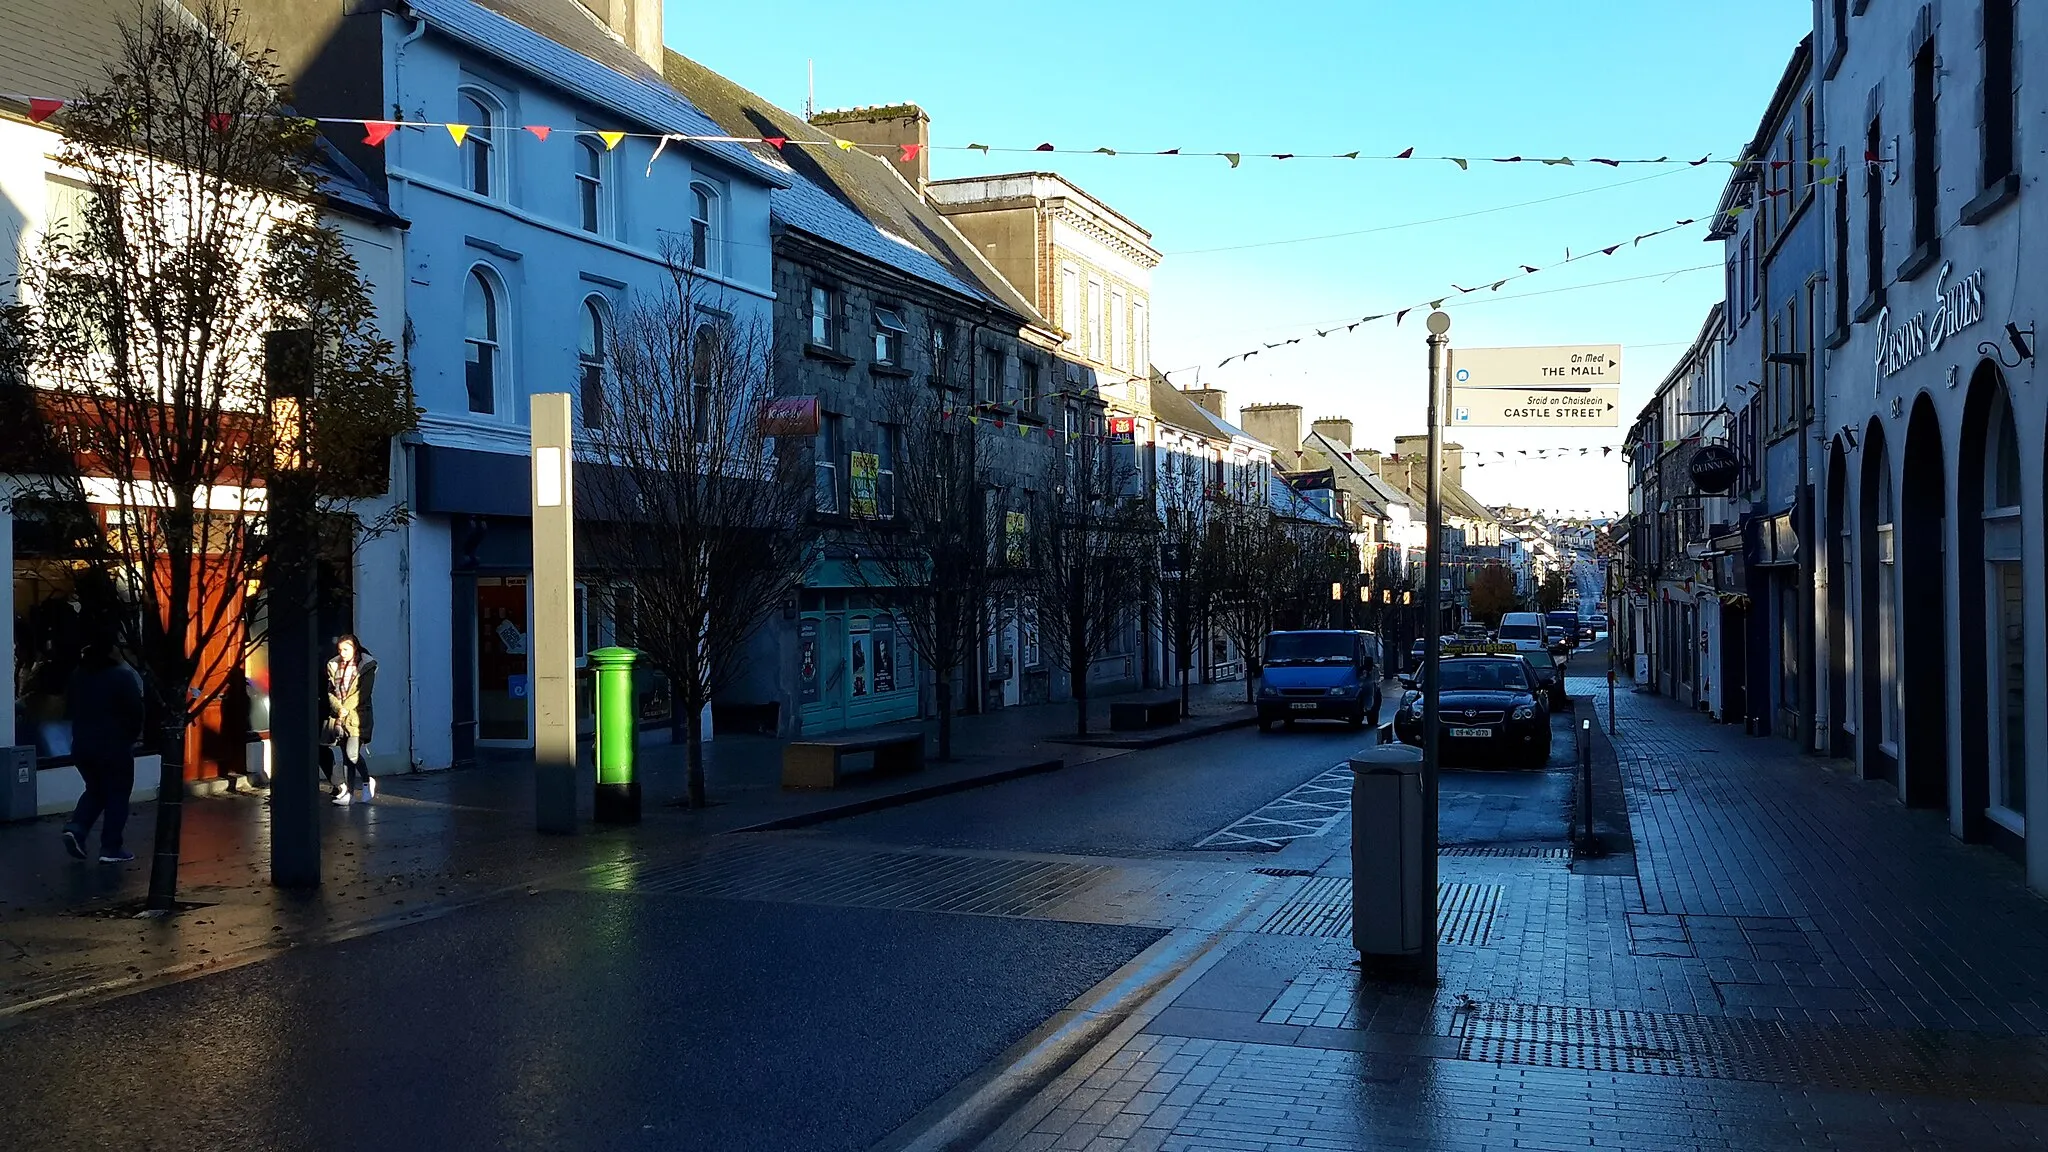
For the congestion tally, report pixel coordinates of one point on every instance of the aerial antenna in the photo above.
(810, 90)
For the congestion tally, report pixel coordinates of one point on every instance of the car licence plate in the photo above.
(1464, 732)
(1304, 707)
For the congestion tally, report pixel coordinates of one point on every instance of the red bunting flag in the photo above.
(540, 131)
(40, 110)
(220, 121)
(910, 151)
(1407, 153)
(375, 132)
(1045, 148)
(775, 141)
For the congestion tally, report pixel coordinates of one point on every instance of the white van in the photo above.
(1524, 630)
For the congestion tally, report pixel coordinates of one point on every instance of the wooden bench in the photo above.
(1136, 715)
(819, 763)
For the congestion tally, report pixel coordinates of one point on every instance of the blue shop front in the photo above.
(856, 667)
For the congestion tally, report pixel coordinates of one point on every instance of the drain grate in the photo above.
(1465, 912)
(1260, 871)
(1499, 851)
(1957, 1064)
(986, 886)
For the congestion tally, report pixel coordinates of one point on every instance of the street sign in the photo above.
(1535, 407)
(1562, 386)
(1596, 365)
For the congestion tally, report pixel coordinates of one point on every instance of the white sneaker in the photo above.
(341, 798)
(369, 789)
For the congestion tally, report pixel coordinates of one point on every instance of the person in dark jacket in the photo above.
(104, 705)
(351, 690)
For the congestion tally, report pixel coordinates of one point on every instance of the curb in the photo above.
(1141, 743)
(898, 799)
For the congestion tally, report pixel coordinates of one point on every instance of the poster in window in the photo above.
(858, 657)
(866, 470)
(807, 662)
(885, 654)
(1029, 613)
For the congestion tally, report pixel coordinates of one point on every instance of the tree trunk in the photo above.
(694, 727)
(170, 815)
(945, 691)
(1081, 700)
(1251, 694)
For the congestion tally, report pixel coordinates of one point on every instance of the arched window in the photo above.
(482, 167)
(1892, 699)
(482, 304)
(594, 330)
(704, 227)
(590, 166)
(2004, 618)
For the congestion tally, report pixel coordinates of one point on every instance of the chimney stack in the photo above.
(1211, 400)
(637, 22)
(888, 130)
(1333, 428)
(1278, 425)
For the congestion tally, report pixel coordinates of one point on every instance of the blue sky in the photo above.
(1457, 77)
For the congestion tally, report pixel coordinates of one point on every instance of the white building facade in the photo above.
(1931, 608)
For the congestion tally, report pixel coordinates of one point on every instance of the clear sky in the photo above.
(1477, 78)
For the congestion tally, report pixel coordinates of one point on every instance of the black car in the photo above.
(1491, 709)
(1550, 678)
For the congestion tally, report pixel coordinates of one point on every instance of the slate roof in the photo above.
(61, 50)
(852, 198)
(1294, 506)
(562, 44)
(1379, 494)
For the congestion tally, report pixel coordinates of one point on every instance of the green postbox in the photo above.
(618, 793)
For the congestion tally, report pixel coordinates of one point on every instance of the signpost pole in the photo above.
(554, 617)
(1432, 576)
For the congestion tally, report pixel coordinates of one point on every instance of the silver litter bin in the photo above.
(1386, 853)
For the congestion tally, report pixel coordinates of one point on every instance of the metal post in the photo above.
(288, 601)
(554, 617)
(1586, 778)
(1432, 577)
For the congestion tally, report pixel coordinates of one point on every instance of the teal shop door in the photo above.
(821, 671)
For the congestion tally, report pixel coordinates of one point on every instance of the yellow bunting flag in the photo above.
(459, 132)
(844, 145)
(611, 139)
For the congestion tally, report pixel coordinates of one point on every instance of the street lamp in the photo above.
(289, 588)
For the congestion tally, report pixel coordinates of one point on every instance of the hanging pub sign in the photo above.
(790, 416)
(1713, 468)
(1956, 307)
(1123, 430)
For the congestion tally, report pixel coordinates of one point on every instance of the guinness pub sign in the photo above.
(1956, 306)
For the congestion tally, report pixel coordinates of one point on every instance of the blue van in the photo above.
(1320, 675)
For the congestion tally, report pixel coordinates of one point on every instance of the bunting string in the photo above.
(1523, 271)
(376, 132)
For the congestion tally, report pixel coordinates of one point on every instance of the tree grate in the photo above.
(1519, 853)
(1969, 1065)
(1465, 912)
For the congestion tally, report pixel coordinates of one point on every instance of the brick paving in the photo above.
(1782, 962)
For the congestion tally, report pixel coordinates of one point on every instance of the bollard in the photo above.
(618, 793)
(1586, 779)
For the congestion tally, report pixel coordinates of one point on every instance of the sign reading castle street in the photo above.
(1956, 307)
(1562, 386)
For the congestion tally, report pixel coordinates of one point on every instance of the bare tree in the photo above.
(695, 509)
(1189, 563)
(193, 235)
(929, 539)
(1094, 553)
(1251, 558)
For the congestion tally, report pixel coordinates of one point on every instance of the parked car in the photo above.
(1566, 621)
(1587, 632)
(1416, 652)
(1320, 675)
(1556, 642)
(1490, 709)
(1549, 674)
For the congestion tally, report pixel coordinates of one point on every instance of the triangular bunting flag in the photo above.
(611, 139)
(1530, 268)
(844, 145)
(41, 110)
(1401, 315)
(982, 148)
(1437, 303)
(458, 132)
(1283, 155)
(1566, 161)
(1233, 157)
(1348, 155)
(1819, 161)
(1407, 153)
(540, 131)
(1106, 151)
(1496, 285)
(909, 152)
(1045, 148)
(1460, 162)
(1168, 152)
(1609, 163)
(375, 132)
(220, 121)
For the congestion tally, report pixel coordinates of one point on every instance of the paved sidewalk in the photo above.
(1785, 959)
(436, 841)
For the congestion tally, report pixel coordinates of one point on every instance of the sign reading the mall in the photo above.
(1956, 307)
